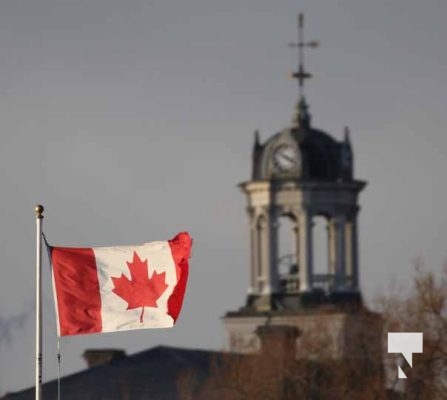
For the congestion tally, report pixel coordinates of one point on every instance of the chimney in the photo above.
(278, 341)
(96, 357)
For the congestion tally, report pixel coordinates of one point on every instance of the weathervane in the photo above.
(301, 75)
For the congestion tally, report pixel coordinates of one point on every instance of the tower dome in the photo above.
(302, 152)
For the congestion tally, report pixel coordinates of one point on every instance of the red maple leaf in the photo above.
(140, 290)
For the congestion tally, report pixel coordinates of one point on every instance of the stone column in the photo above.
(331, 246)
(340, 264)
(305, 251)
(296, 235)
(349, 253)
(355, 254)
(273, 273)
(253, 250)
(264, 264)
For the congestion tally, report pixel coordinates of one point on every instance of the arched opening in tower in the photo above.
(321, 278)
(288, 268)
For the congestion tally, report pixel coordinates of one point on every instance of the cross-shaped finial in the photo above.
(301, 75)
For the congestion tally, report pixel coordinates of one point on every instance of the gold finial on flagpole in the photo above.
(39, 211)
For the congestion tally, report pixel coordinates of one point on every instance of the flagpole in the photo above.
(39, 218)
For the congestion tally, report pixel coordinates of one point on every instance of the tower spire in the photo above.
(301, 116)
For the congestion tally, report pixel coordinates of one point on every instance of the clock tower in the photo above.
(301, 174)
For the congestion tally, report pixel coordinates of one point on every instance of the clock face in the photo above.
(285, 158)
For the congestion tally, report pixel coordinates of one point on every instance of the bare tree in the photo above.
(277, 375)
(423, 310)
(310, 374)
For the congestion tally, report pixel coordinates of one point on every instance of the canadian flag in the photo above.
(107, 289)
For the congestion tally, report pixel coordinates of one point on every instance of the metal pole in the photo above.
(39, 218)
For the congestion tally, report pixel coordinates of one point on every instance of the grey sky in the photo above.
(133, 120)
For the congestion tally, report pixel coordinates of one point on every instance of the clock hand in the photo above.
(288, 158)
